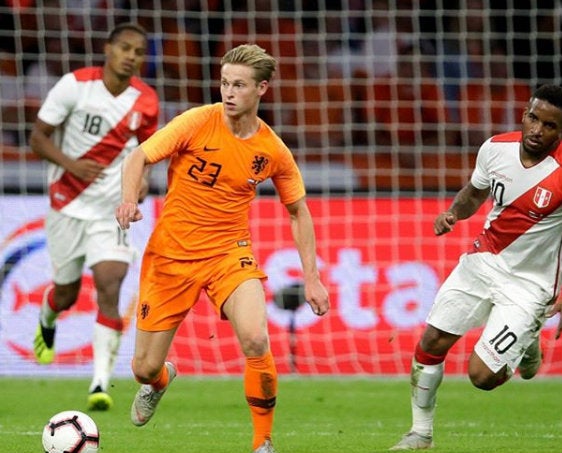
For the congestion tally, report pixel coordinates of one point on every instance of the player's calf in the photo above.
(531, 361)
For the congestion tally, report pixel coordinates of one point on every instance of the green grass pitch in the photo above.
(314, 415)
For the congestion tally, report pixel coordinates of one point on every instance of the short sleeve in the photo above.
(480, 178)
(60, 101)
(288, 179)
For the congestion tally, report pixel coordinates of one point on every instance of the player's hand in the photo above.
(317, 297)
(556, 308)
(87, 169)
(444, 223)
(126, 213)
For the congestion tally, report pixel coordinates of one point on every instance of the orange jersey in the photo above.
(212, 179)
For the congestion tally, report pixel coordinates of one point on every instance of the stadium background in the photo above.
(374, 191)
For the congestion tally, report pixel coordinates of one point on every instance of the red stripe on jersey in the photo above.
(89, 73)
(519, 216)
(147, 102)
(507, 137)
(68, 187)
(557, 154)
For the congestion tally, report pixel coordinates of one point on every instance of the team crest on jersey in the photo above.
(259, 164)
(542, 197)
(135, 120)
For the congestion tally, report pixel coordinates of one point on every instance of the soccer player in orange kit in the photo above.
(218, 155)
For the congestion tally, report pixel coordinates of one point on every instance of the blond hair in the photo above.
(254, 56)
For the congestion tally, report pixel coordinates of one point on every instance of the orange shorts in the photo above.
(169, 288)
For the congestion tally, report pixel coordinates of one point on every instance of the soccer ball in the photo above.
(71, 432)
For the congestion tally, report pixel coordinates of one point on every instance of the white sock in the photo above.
(106, 343)
(47, 316)
(425, 379)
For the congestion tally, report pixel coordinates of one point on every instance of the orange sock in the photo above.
(260, 387)
(161, 380)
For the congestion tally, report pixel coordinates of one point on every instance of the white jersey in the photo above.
(94, 124)
(524, 226)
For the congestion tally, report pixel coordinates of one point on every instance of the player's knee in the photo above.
(487, 380)
(437, 342)
(483, 377)
(482, 382)
(145, 371)
(108, 278)
(254, 345)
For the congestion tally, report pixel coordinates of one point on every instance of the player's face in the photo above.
(125, 55)
(240, 92)
(542, 127)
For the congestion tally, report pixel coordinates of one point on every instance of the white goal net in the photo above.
(384, 104)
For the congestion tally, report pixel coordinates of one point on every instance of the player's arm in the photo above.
(467, 201)
(42, 144)
(145, 184)
(143, 134)
(133, 174)
(305, 241)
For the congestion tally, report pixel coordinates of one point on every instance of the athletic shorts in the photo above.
(73, 243)
(169, 288)
(481, 291)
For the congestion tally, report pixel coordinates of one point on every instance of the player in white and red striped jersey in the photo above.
(509, 282)
(91, 119)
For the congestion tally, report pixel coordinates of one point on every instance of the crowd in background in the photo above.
(402, 76)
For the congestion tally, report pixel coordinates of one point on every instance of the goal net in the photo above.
(384, 105)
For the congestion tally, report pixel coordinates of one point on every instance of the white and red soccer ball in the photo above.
(71, 432)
